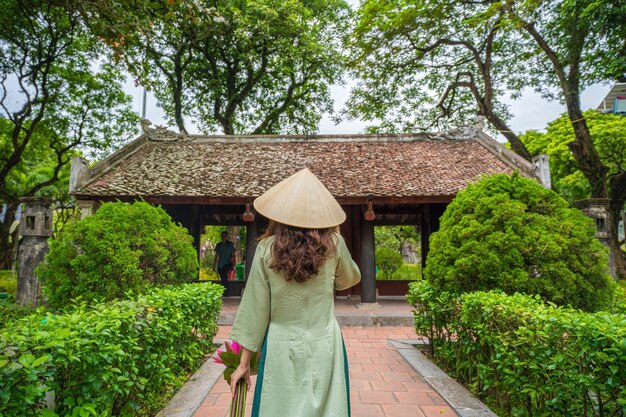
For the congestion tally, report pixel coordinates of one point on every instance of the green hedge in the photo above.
(119, 358)
(525, 357)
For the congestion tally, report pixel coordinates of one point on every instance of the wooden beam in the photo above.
(242, 200)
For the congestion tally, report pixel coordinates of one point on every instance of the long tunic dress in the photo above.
(303, 369)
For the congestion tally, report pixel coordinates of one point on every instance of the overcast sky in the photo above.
(529, 112)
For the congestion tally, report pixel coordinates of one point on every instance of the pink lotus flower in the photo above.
(231, 346)
(216, 358)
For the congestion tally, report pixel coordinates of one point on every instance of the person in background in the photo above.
(224, 253)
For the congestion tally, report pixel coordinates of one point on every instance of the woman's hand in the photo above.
(242, 372)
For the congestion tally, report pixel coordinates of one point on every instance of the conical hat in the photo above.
(301, 201)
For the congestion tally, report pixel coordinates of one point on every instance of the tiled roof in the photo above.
(406, 166)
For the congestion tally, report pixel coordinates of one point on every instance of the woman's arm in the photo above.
(242, 371)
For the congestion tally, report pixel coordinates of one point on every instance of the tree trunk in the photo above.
(516, 144)
(7, 248)
(586, 156)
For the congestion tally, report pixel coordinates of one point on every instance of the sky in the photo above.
(530, 111)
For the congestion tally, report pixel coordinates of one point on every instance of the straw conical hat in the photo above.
(301, 201)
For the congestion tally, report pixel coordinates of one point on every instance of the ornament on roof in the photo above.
(162, 134)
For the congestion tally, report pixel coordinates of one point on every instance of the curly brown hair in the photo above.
(299, 253)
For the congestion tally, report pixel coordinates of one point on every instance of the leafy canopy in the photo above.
(436, 62)
(388, 260)
(510, 233)
(254, 66)
(429, 63)
(608, 132)
(58, 99)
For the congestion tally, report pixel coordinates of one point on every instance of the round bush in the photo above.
(388, 260)
(510, 233)
(121, 247)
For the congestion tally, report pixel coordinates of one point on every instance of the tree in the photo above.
(261, 67)
(608, 132)
(388, 260)
(510, 233)
(429, 63)
(557, 48)
(394, 237)
(56, 99)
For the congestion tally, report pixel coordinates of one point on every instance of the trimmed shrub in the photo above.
(121, 247)
(510, 233)
(388, 261)
(117, 359)
(523, 356)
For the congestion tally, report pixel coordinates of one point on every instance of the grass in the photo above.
(406, 271)
(8, 284)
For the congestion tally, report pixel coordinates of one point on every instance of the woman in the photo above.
(287, 310)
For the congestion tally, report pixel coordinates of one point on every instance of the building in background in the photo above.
(615, 100)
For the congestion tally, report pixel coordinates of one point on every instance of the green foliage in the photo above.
(121, 247)
(208, 274)
(524, 357)
(388, 261)
(608, 133)
(439, 62)
(395, 236)
(408, 271)
(11, 311)
(115, 359)
(58, 99)
(207, 260)
(253, 66)
(417, 63)
(8, 283)
(512, 234)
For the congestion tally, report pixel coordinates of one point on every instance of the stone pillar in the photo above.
(35, 229)
(79, 172)
(252, 232)
(541, 166)
(367, 264)
(87, 208)
(598, 210)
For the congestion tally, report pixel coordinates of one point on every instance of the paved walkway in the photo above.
(393, 311)
(382, 384)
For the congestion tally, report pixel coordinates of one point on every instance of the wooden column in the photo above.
(252, 232)
(367, 262)
(425, 227)
(430, 219)
(195, 228)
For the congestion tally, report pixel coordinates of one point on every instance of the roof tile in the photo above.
(351, 168)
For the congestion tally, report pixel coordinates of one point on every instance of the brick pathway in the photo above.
(382, 384)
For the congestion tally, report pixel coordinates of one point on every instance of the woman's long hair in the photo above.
(299, 253)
